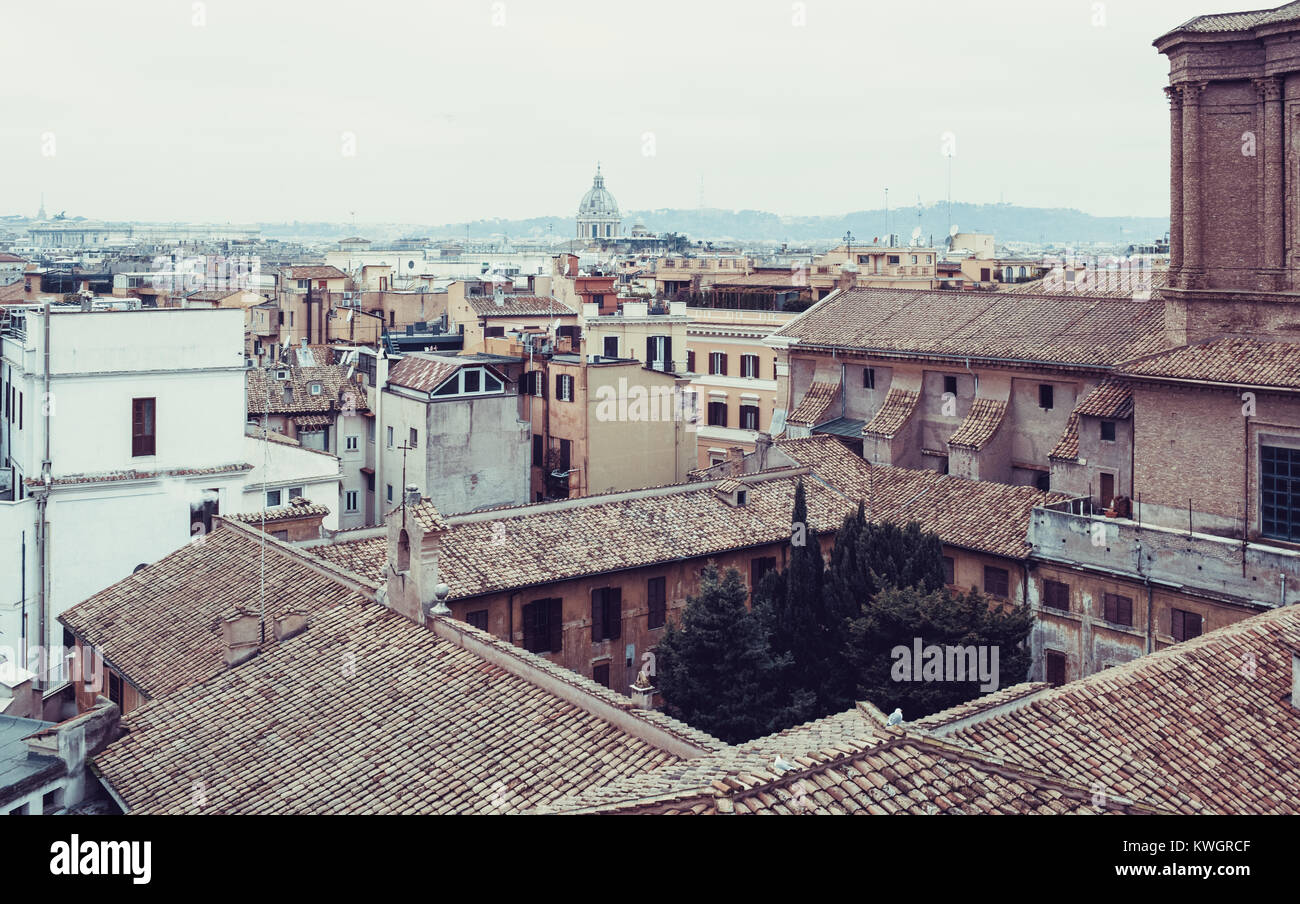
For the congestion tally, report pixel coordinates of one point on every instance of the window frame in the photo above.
(144, 426)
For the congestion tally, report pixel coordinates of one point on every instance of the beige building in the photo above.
(734, 376)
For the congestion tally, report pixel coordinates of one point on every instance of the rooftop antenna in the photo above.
(949, 155)
(405, 447)
(887, 217)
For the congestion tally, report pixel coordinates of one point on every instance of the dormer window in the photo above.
(282, 374)
(470, 381)
(315, 389)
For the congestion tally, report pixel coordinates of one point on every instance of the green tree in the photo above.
(896, 616)
(716, 671)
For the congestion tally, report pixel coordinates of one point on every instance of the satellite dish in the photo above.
(916, 233)
(954, 230)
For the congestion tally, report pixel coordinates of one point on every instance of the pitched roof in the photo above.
(979, 425)
(1111, 398)
(313, 272)
(1067, 447)
(845, 763)
(978, 515)
(893, 413)
(618, 531)
(132, 474)
(1242, 21)
(1233, 361)
(1204, 726)
(424, 372)
(261, 382)
(815, 404)
(367, 712)
(160, 627)
(519, 306)
(1060, 329)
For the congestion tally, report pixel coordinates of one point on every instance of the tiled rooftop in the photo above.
(367, 712)
(331, 377)
(519, 306)
(313, 272)
(1111, 398)
(1239, 362)
(161, 626)
(979, 425)
(1205, 726)
(816, 404)
(1060, 329)
(424, 372)
(893, 413)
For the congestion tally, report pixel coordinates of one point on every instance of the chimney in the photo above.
(240, 634)
(412, 494)
(762, 445)
(290, 624)
(643, 692)
(498, 295)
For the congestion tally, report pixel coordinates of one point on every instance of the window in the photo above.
(1045, 395)
(718, 363)
(894, 258)
(1117, 609)
(600, 673)
(690, 361)
(996, 581)
(350, 501)
(949, 570)
(143, 425)
(295, 492)
(868, 378)
(757, 568)
(478, 618)
(950, 385)
(748, 417)
(415, 439)
(1054, 666)
(390, 437)
(538, 457)
(749, 366)
(1108, 431)
(314, 389)
(611, 346)
(534, 383)
(494, 332)
(659, 352)
(544, 626)
(606, 614)
(202, 510)
(717, 414)
(656, 593)
(272, 498)
(353, 442)
(1184, 625)
(1043, 481)
(564, 387)
(473, 380)
(115, 688)
(1056, 595)
(388, 491)
(566, 448)
(1280, 492)
(1107, 488)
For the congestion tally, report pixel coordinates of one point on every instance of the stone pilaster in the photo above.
(1192, 271)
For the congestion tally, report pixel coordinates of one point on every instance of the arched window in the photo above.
(403, 551)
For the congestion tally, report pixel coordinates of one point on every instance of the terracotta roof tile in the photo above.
(1064, 329)
(263, 388)
(1239, 362)
(979, 425)
(519, 306)
(816, 402)
(1111, 398)
(893, 414)
(313, 272)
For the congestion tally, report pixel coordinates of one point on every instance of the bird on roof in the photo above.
(896, 717)
(780, 764)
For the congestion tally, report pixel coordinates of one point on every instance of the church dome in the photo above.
(598, 202)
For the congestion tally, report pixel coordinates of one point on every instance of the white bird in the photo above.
(896, 717)
(781, 765)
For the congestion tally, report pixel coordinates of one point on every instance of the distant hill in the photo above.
(1010, 223)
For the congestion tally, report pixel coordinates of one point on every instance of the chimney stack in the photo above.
(412, 494)
(240, 633)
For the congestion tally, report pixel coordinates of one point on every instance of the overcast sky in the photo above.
(433, 112)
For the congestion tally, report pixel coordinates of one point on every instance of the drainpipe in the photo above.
(42, 500)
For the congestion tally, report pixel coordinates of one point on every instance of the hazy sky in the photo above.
(246, 110)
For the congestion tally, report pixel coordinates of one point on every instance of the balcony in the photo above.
(1223, 567)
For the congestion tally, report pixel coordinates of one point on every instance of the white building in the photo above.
(284, 470)
(121, 434)
(598, 216)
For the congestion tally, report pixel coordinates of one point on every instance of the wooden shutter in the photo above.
(649, 351)
(724, 364)
(614, 612)
(668, 353)
(555, 622)
(598, 615)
